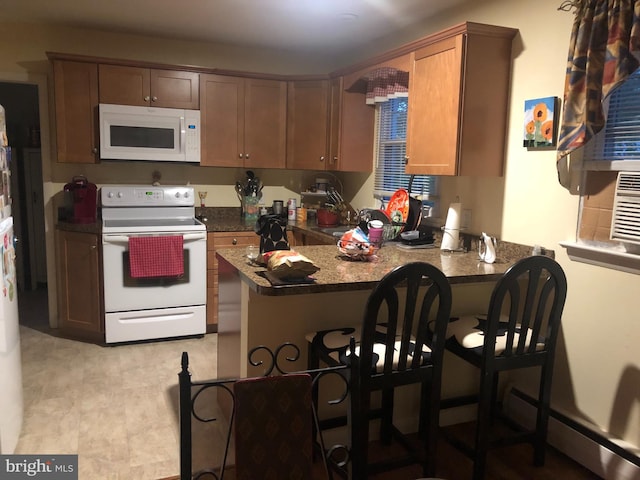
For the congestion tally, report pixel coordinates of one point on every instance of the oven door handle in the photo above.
(187, 237)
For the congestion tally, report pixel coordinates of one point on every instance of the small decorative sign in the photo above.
(540, 122)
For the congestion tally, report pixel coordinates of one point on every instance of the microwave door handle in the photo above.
(183, 134)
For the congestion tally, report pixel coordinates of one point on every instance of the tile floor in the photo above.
(116, 407)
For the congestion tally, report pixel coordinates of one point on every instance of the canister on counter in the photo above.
(301, 216)
(291, 209)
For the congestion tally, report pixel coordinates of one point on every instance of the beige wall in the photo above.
(598, 367)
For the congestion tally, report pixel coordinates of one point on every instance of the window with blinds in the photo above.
(617, 145)
(391, 137)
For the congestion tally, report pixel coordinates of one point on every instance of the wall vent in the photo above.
(625, 222)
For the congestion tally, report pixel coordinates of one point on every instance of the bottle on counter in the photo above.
(291, 209)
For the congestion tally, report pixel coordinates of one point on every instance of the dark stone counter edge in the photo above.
(276, 291)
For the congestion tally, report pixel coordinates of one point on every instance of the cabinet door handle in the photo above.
(406, 159)
(234, 241)
(153, 99)
(322, 159)
(146, 99)
(246, 155)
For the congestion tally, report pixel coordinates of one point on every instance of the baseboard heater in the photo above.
(587, 447)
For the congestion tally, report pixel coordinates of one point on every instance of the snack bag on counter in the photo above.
(355, 244)
(289, 264)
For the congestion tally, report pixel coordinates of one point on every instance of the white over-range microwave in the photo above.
(149, 133)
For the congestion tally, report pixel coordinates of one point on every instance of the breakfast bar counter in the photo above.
(338, 273)
(253, 312)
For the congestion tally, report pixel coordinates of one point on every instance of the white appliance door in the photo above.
(122, 293)
(11, 404)
(154, 324)
(149, 133)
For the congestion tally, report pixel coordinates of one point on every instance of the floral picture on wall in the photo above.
(540, 122)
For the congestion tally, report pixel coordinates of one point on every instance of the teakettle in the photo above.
(487, 248)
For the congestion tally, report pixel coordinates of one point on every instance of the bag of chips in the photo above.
(289, 264)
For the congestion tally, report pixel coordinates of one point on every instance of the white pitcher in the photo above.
(487, 248)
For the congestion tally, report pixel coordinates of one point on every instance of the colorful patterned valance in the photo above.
(385, 83)
(604, 50)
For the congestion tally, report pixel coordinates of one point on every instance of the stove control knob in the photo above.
(120, 194)
(186, 194)
(177, 194)
(110, 194)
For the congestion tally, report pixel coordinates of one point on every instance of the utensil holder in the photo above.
(250, 209)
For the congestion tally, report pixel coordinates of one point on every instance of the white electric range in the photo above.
(155, 307)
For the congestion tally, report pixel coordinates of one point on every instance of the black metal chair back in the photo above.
(268, 421)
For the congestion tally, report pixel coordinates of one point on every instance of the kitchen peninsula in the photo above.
(252, 312)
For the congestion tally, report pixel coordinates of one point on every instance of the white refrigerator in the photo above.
(11, 405)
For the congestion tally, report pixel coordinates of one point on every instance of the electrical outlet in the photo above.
(465, 221)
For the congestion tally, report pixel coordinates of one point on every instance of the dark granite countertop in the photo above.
(339, 274)
(466, 267)
(228, 219)
(223, 219)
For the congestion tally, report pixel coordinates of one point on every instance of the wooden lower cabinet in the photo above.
(80, 299)
(219, 240)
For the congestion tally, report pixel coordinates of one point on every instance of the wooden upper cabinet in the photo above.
(458, 100)
(221, 120)
(128, 85)
(175, 89)
(307, 125)
(329, 127)
(334, 119)
(352, 128)
(76, 101)
(243, 122)
(265, 134)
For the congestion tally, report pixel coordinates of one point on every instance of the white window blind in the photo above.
(391, 149)
(620, 138)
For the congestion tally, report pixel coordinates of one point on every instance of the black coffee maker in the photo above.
(80, 200)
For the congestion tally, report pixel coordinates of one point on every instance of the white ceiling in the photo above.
(299, 25)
